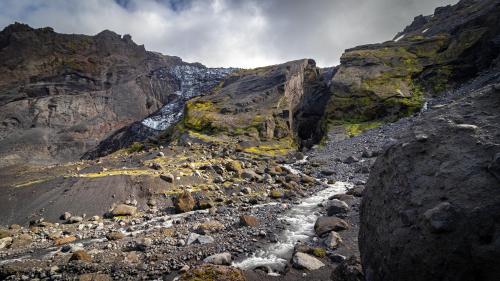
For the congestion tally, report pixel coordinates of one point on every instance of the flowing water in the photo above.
(300, 221)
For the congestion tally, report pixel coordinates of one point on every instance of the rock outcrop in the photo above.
(62, 94)
(431, 208)
(270, 110)
(435, 53)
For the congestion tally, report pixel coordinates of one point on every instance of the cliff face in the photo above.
(62, 94)
(433, 54)
(270, 110)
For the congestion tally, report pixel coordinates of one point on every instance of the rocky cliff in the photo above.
(435, 53)
(60, 95)
(270, 110)
(430, 207)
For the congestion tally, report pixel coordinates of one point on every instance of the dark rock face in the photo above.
(431, 208)
(60, 95)
(433, 54)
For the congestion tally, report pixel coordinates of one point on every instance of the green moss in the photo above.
(319, 252)
(354, 129)
(135, 147)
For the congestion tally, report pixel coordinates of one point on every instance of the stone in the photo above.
(304, 261)
(22, 240)
(167, 177)
(200, 239)
(246, 190)
(307, 179)
(115, 235)
(325, 225)
(211, 272)
(328, 172)
(350, 160)
(184, 202)
(5, 242)
(64, 240)
(211, 226)
(81, 255)
(349, 270)
(124, 210)
(219, 259)
(75, 219)
(94, 277)
(276, 194)
(251, 175)
(356, 191)
(65, 216)
(246, 220)
(335, 206)
(333, 240)
(234, 166)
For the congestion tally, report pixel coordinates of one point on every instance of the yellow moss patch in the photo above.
(354, 129)
(117, 172)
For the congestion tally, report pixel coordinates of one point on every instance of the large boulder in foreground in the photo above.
(431, 209)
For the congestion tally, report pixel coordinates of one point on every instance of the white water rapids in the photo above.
(300, 221)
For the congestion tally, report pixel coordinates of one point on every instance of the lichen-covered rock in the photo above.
(213, 273)
(436, 201)
(389, 80)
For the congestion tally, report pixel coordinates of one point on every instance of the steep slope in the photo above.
(192, 80)
(270, 110)
(435, 53)
(60, 94)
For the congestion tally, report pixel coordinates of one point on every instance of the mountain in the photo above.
(120, 163)
(61, 95)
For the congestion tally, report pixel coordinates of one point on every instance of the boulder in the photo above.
(5, 242)
(436, 202)
(304, 261)
(325, 225)
(81, 255)
(219, 259)
(64, 240)
(75, 219)
(211, 226)
(349, 270)
(234, 166)
(94, 277)
(213, 273)
(124, 210)
(335, 206)
(246, 220)
(167, 177)
(115, 235)
(184, 202)
(200, 239)
(333, 240)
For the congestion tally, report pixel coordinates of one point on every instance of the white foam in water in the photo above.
(300, 219)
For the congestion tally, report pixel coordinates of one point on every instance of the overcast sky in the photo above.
(230, 32)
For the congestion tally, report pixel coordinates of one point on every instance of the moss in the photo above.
(198, 116)
(280, 148)
(354, 129)
(319, 252)
(213, 273)
(135, 147)
(276, 194)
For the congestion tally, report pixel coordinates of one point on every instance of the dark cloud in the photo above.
(230, 32)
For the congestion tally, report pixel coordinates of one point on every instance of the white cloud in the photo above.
(230, 32)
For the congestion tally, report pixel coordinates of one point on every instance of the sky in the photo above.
(237, 33)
